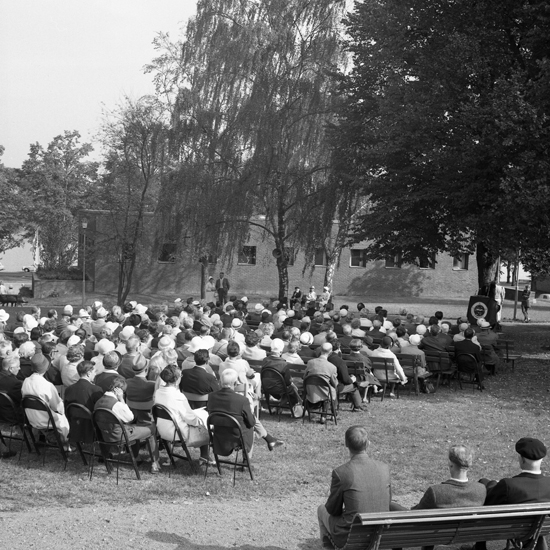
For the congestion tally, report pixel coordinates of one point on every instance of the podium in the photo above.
(482, 307)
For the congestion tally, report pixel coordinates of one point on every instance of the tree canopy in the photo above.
(447, 127)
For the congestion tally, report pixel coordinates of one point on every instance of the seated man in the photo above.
(139, 393)
(530, 486)
(111, 362)
(431, 341)
(227, 400)
(11, 385)
(467, 346)
(361, 485)
(113, 399)
(38, 386)
(84, 392)
(199, 379)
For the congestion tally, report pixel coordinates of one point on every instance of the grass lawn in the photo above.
(412, 434)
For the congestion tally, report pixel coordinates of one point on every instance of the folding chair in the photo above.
(323, 386)
(160, 411)
(383, 370)
(82, 429)
(196, 400)
(274, 385)
(32, 402)
(509, 357)
(224, 425)
(468, 364)
(439, 363)
(117, 440)
(12, 416)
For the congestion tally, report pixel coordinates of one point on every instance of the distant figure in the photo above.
(222, 287)
(210, 290)
(3, 289)
(526, 303)
(498, 293)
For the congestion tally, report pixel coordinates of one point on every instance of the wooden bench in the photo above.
(451, 526)
(507, 350)
(12, 300)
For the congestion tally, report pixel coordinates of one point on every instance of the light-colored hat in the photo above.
(104, 346)
(462, 327)
(214, 318)
(74, 340)
(18, 330)
(196, 344)
(111, 326)
(208, 342)
(4, 316)
(236, 323)
(83, 314)
(177, 300)
(140, 309)
(42, 321)
(126, 332)
(166, 343)
(97, 304)
(306, 338)
(483, 323)
(326, 315)
(277, 345)
(244, 299)
(195, 303)
(343, 312)
(68, 310)
(290, 313)
(258, 308)
(421, 329)
(415, 339)
(133, 303)
(29, 322)
(101, 312)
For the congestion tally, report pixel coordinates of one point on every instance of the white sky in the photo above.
(63, 61)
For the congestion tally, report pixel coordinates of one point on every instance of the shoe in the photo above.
(276, 443)
(204, 461)
(155, 468)
(7, 454)
(322, 420)
(68, 449)
(357, 410)
(392, 396)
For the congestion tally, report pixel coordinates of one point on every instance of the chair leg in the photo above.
(81, 452)
(235, 466)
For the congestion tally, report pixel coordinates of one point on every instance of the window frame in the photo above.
(242, 254)
(461, 262)
(321, 250)
(397, 261)
(361, 257)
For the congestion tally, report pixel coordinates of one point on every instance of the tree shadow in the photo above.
(186, 544)
(377, 280)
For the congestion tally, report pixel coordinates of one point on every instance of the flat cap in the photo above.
(531, 448)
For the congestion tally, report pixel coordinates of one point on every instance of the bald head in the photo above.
(326, 349)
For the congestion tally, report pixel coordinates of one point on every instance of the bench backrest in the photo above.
(451, 526)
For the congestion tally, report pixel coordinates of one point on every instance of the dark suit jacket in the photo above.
(197, 380)
(223, 284)
(235, 404)
(105, 379)
(343, 373)
(11, 385)
(361, 485)
(521, 489)
(84, 393)
(432, 343)
(453, 494)
(467, 346)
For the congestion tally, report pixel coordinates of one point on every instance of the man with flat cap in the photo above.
(528, 487)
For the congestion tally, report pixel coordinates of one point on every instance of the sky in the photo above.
(63, 62)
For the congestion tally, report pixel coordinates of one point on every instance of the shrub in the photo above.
(71, 274)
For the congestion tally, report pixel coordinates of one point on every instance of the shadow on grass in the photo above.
(186, 544)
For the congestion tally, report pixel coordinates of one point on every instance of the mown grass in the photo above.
(411, 434)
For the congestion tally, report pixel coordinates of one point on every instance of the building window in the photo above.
(320, 257)
(167, 254)
(358, 257)
(247, 255)
(427, 262)
(393, 262)
(460, 261)
(289, 250)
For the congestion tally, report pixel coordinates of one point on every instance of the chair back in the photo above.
(225, 433)
(81, 423)
(35, 403)
(196, 400)
(437, 361)
(110, 428)
(273, 381)
(383, 370)
(466, 362)
(160, 411)
(8, 409)
(316, 386)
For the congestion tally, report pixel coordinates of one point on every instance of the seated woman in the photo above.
(192, 423)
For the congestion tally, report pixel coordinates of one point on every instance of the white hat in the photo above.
(258, 308)
(326, 315)
(101, 312)
(68, 310)
(244, 299)
(133, 303)
(236, 323)
(214, 318)
(111, 326)
(196, 344)
(104, 346)
(73, 340)
(306, 338)
(415, 339)
(277, 345)
(325, 288)
(29, 322)
(483, 323)
(421, 329)
(97, 304)
(126, 333)
(208, 342)
(343, 312)
(18, 330)
(140, 309)
(4, 316)
(83, 314)
(290, 313)
(177, 300)
(195, 303)
(166, 343)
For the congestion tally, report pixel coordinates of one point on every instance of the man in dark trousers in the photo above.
(528, 487)
(361, 485)
(222, 288)
(467, 346)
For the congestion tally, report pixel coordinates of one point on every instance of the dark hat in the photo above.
(531, 448)
(140, 364)
(40, 364)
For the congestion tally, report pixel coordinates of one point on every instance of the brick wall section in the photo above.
(183, 277)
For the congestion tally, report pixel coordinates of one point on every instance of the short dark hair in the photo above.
(119, 382)
(360, 306)
(36, 333)
(170, 374)
(52, 313)
(84, 367)
(251, 339)
(233, 349)
(19, 338)
(469, 333)
(201, 357)
(400, 331)
(439, 315)
(357, 439)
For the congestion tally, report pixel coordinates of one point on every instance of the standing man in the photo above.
(359, 486)
(526, 303)
(222, 288)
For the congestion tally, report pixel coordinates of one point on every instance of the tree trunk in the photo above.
(204, 266)
(282, 269)
(487, 266)
(332, 261)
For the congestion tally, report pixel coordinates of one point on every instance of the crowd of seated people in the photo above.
(94, 348)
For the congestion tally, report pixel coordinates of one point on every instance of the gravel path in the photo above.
(183, 525)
